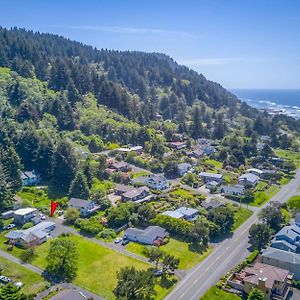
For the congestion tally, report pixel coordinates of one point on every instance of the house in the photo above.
(137, 149)
(208, 149)
(288, 239)
(248, 179)
(146, 236)
(7, 214)
(30, 178)
(156, 182)
(282, 259)
(189, 214)
(197, 153)
(255, 171)
(232, 190)
(177, 145)
(272, 281)
(297, 219)
(268, 174)
(24, 215)
(173, 214)
(277, 161)
(117, 166)
(212, 185)
(120, 189)
(211, 204)
(85, 207)
(32, 236)
(139, 194)
(207, 177)
(183, 168)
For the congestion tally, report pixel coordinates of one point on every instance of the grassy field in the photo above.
(261, 197)
(214, 293)
(294, 202)
(289, 155)
(241, 214)
(215, 163)
(184, 251)
(33, 282)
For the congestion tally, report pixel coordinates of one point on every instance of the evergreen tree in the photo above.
(79, 187)
(63, 166)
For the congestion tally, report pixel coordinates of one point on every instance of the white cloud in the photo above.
(130, 30)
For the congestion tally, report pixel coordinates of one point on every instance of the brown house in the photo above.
(274, 282)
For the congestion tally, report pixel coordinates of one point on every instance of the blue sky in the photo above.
(240, 44)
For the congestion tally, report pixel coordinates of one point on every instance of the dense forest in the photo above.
(55, 92)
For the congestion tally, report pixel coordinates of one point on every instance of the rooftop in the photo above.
(268, 273)
(173, 213)
(249, 177)
(186, 211)
(136, 192)
(79, 202)
(24, 211)
(212, 175)
(281, 255)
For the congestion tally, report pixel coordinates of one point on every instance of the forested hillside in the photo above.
(55, 93)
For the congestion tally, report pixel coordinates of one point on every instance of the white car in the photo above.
(5, 279)
(118, 240)
(18, 284)
(9, 226)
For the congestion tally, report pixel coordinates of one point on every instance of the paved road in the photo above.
(225, 255)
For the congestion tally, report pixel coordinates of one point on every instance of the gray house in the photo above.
(207, 177)
(232, 190)
(190, 214)
(24, 215)
(85, 207)
(147, 236)
(282, 259)
(35, 235)
(248, 179)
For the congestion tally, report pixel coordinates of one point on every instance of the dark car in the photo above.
(125, 242)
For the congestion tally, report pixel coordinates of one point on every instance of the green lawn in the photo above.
(184, 251)
(37, 197)
(289, 155)
(261, 197)
(241, 214)
(184, 194)
(215, 163)
(284, 180)
(294, 202)
(33, 282)
(214, 293)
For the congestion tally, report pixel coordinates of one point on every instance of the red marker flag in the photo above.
(53, 207)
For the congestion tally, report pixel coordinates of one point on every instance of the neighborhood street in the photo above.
(226, 254)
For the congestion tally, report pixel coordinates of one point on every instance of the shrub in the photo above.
(107, 234)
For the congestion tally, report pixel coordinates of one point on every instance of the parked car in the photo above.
(5, 279)
(9, 226)
(158, 273)
(118, 240)
(18, 284)
(125, 242)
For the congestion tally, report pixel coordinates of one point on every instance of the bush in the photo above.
(91, 226)
(27, 255)
(107, 234)
(252, 256)
(27, 225)
(71, 215)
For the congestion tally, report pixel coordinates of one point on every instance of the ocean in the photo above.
(275, 101)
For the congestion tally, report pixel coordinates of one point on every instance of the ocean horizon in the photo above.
(273, 100)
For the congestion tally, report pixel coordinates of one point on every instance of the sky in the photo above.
(238, 43)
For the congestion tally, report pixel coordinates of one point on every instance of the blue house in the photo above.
(288, 239)
(30, 178)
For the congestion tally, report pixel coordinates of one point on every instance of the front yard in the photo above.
(180, 249)
(33, 282)
(261, 197)
(214, 293)
(241, 214)
(97, 266)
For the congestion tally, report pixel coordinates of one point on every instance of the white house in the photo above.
(232, 190)
(248, 179)
(256, 171)
(24, 215)
(32, 236)
(84, 206)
